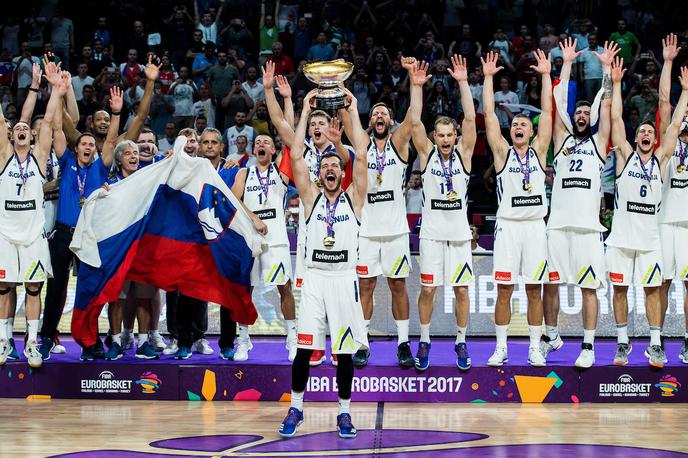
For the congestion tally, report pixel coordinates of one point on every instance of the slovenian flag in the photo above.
(174, 225)
(564, 96)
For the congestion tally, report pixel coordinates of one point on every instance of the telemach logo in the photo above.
(679, 184)
(17, 206)
(526, 201)
(436, 204)
(106, 383)
(567, 183)
(268, 213)
(384, 196)
(639, 207)
(332, 257)
(625, 387)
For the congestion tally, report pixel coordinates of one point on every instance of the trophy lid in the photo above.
(332, 71)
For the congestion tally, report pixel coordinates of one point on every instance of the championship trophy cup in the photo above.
(327, 75)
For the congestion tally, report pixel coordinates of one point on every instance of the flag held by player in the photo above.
(174, 225)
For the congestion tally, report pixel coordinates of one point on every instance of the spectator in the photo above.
(523, 43)
(292, 214)
(10, 35)
(196, 48)
(259, 119)
(34, 26)
(138, 40)
(302, 39)
(180, 26)
(505, 95)
(321, 50)
(467, 46)
(644, 98)
(283, 63)
(253, 88)
(626, 40)
(161, 111)
(80, 80)
(167, 74)
(631, 121)
(183, 91)
(62, 36)
(268, 28)
(239, 37)
(24, 71)
(166, 141)
(87, 104)
(100, 59)
(590, 68)
(476, 86)
(583, 35)
(239, 129)
(502, 44)
(548, 40)
(131, 69)
(530, 94)
(203, 62)
(237, 100)
(428, 49)
(102, 33)
(207, 25)
(414, 193)
(364, 91)
(205, 106)
(475, 238)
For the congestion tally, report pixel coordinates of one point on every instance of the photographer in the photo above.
(237, 100)
(238, 36)
(183, 91)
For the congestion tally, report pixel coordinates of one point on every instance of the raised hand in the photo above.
(52, 73)
(407, 63)
(36, 74)
(459, 71)
(568, 49)
(308, 100)
(334, 131)
(670, 48)
(490, 65)
(544, 65)
(611, 49)
(115, 99)
(65, 83)
(683, 78)
(268, 74)
(283, 87)
(617, 69)
(350, 100)
(151, 70)
(418, 73)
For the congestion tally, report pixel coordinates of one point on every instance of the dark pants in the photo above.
(56, 294)
(301, 368)
(227, 328)
(191, 319)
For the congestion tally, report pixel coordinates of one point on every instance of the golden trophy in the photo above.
(327, 75)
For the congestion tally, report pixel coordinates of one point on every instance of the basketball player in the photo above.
(317, 143)
(330, 289)
(520, 240)
(574, 242)
(634, 252)
(445, 239)
(24, 253)
(384, 243)
(262, 188)
(673, 220)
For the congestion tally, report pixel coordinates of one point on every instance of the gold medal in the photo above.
(318, 182)
(452, 196)
(529, 187)
(379, 179)
(681, 168)
(82, 201)
(328, 241)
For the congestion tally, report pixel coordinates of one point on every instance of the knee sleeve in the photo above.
(300, 369)
(345, 375)
(34, 292)
(5, 291)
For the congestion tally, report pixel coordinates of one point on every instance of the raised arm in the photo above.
(669, 50)
(569, 54)
(5, 146)
(359, 185)
(219, 13)
(151, 71)
(334, 134)
(402, 135)
(284, 90)
(671, 135)
(70, 103)
(277, 116)
(623, 148)
(498, 144)
(604, 125)
(30, 102)
(45, 136)
(418, 76)
(352, 124)
(307, 189)
(116, 101)
(468, 132)
(544, 135)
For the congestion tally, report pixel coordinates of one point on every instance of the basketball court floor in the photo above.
(99, 429)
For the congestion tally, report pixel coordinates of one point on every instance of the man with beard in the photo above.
(384, 241)
(316, 145)
(673, 220)
(148, 152)
(575, 254)
(126, 156)
(239, 128)
(101, 118)
(445, 239)
(330, 288)
(262, 188)
(634, 252)
(24, 253)
(81, 175)
(520, 239)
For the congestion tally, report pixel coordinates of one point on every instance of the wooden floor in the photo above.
(34, 428)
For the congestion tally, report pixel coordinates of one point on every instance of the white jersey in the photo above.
(312, 156)
(516, 202)
(577, 184)
(343, 254)
(269, 209)
(21, 192)
(637, 202)
(445, 217)
(384, 212)
(675, 190)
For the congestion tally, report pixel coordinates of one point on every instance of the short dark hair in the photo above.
(332, 154)
(583, 103)
(648, 123)
(380, 104)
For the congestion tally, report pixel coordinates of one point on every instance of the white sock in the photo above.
(155, 333)
(143, 338)
(461, 334)
(501, 330)
(425, 333)
(117, 338)
(127, 332)
(32, 330)
(291, 328)
(367, 324)
(622, 333)
(344, 406)
(552, 332)
(589, 336)
(3, 329)
(535, 333)
(402, 331)
(243, 332)
(10, 327)
(685, 336)
(655, 338)
(297, 400)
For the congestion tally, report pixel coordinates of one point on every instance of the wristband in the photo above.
(33, 89)
(116, 113)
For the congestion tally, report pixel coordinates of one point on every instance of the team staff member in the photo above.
(445, 239)
(330, 288)
(520, 239)
(262, 188)
(24, 254)
(634, 252)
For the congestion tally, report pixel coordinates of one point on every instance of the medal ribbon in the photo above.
(646, 175)
(330, 210)
(682, 154)
(380, 159)
(447, 173)
(526, 171)
(22, 169)
(318, 157)
(572, 149)
(264, 182)
(81, 184)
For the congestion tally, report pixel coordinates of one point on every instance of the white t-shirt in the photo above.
(233, 132)
(183, 99)
(500, 97)
(78, 86)
(414, 200)
(256, 92)
(205, 108)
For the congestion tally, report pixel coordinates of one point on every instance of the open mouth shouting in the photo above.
(645, 143)
(317, 135)
(330, 178)
(261, 152)
(519, 135)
